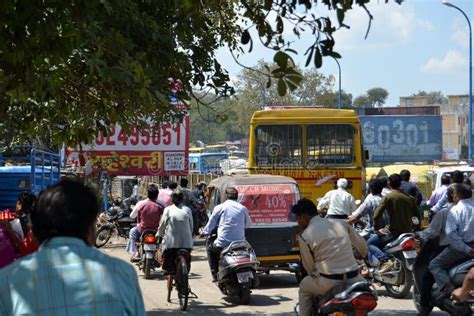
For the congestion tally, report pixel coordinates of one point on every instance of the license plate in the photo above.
(243, 277)
(410, 254)
(149, 247)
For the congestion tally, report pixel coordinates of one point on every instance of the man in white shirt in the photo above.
(339, 202)
(231, 219)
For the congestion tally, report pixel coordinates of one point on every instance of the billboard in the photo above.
(402, 138)
(160, 150)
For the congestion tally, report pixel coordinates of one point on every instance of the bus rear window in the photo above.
(330, 144)
(278, 145)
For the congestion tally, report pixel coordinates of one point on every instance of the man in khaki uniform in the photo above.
(326, 252)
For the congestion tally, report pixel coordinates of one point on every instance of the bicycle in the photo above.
(181, 280)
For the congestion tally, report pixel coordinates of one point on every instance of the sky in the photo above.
(419, 45)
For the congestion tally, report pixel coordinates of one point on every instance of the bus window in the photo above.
(330, 144)
(278, 145)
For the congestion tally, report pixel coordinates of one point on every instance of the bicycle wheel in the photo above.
(182, 285)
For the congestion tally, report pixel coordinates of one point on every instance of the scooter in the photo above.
(238, 271)
(147, 248)
(399, 280)
(456, 276)
(356, 299)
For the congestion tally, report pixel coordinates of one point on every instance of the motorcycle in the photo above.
(237, 271)
(356, 299)
(147, 248)
(112, 222)
(399, 280)
(456, 276)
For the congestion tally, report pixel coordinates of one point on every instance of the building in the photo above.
(454, 123)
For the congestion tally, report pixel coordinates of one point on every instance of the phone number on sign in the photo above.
(165, 134)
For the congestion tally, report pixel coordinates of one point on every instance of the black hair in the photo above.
(232, 193)
(384, 181)
(177, 197)
(376, 186)
(405, 175)
(172, 185)
(395, 181)
(27, 200)
(165, 184)
(304, 206)
(152, 192)
(68, 208)
(445, 179)
(463, 191)
(467, 182)
(457, 176)
(183, 182)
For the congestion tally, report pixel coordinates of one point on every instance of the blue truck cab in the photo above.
(31, 170)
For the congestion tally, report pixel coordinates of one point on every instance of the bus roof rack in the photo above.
(282, 107)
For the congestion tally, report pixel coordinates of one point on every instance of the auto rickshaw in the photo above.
(269, 199)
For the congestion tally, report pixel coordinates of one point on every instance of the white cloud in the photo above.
(453, 62)
(392, 25)
(460, 33)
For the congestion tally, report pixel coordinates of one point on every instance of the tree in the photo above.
(362, 101)
(377, 96)
(69, 69)
(330, 99)
(433, 97)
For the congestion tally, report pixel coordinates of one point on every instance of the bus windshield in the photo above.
(330, 144)
(278, 144)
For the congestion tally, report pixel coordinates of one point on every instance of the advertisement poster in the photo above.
(268, 203)
(161, 150)
(402, 138)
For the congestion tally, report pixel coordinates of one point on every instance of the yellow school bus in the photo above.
(315, 146)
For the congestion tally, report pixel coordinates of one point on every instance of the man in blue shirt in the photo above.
(410, 188)
(67, 276)
(460, 233)
(231, 219)
(456, 177)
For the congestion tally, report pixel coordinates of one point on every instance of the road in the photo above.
(276, 295)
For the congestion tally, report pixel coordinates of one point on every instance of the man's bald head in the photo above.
(232, 193)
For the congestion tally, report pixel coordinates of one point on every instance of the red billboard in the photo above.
(268, 203)
(160, 150)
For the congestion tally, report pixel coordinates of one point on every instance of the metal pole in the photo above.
(339, 101)
(469, 158)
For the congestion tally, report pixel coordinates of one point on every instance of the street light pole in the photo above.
(469, 158)
(339, 101)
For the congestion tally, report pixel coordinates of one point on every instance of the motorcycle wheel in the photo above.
(416, 301)
(244, 295)
(147, 268)
(403, 290)
(102, 236)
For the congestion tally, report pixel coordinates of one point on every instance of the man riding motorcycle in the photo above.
(326, 253)
(231, 219)
(460, 232)
(400, 208)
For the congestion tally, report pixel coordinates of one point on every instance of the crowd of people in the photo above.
(58, 230)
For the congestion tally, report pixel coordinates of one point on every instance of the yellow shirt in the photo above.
(326, 246)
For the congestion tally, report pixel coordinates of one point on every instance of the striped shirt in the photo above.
(66, 277)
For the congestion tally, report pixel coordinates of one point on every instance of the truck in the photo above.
(25, 168)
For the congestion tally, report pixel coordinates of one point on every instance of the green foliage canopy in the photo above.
(69, 69)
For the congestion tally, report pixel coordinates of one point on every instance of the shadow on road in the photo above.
(386, 294)
(277, 280)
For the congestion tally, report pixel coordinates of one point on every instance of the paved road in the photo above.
(277, 294)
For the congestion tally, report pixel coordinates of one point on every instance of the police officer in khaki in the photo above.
(326, 253)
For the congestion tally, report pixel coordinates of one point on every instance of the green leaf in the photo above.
(281, 59)
(279, 24)
(340, 16)
(335, 55)
(245, 39)
(281, 87)
(318, 59)
(309, 52)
